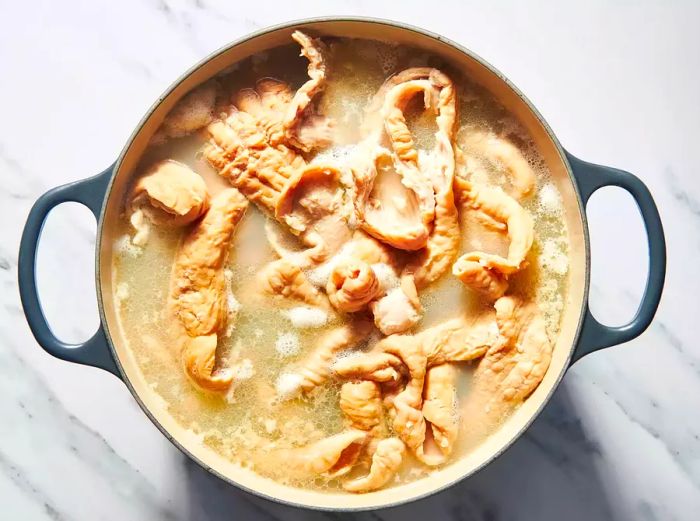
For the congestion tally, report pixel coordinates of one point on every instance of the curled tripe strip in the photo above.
(440, 412)
(488, 273)
(457, 340)
(496, 149)
(352, 285)
(303, 130)
(434, 260)
(330, 457)
(386, 460)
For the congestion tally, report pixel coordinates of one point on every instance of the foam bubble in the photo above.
(288, 385)
(388, 57)
(549, 199)
(287, 344)
(122, 292)
(123, 246)
(553, 258)
(303, 317)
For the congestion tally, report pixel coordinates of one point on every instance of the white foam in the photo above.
(123, 246)
(270, 425)
(288, 385)
(194, 111)
(231, 301)
(304, 317)
(287, 344)
(122, 292)
(240, 372)
(553, 258)
(143, 228)
(549, 199)
(340, 154)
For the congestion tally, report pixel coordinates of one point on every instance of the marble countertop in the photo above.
(617, 81)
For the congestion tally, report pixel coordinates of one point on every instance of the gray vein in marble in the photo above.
(681, 194)
(680, 463)
(26, 487)
(19, 174)
(133, 65)
(676, 343)
(89, 447)
(659, 324)
(210, 10)
(182, 19)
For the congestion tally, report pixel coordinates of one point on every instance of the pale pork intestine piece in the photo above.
(366, 274)
(484, 272)
(489, 283)
(168, 194)
(407, 225)
(497, 149)
(514, 366)
(440, 412)
(430, 224)
(304, 129)
(361, 403)
(376, 366)
(285, 278)
(434, 260)
(198, 286)
(316, 369)
(399, 309)
(456, 340)
(314, 206)
(255, 146)
(352, 285)
(198, 295)
(199, 363)
(239, 150)
(330, 457)
(386, 460)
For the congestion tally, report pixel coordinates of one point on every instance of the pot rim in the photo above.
(423, 33)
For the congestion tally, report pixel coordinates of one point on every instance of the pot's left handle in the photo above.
(594, 335)
(94, 351)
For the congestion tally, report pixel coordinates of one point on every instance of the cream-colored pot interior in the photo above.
(578, 274)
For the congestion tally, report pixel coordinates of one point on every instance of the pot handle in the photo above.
(94, 351)
(594, 335)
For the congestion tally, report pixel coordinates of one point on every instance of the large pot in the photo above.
(580, 332)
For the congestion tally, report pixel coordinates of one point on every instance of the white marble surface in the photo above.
(618, 82)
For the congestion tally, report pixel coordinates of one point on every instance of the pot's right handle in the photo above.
(94, 351)
(594, 335)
